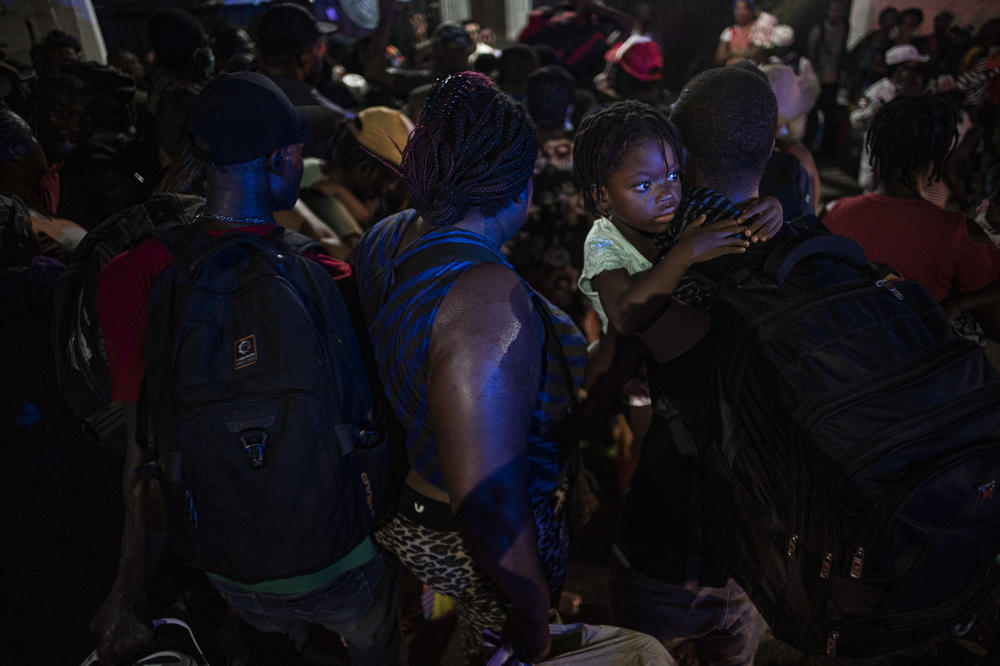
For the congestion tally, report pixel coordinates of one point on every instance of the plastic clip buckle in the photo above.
(254, 442)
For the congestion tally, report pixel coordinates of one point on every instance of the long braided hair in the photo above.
(604, 138)
(472, 148)
(910, 132)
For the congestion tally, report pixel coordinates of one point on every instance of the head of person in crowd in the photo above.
(292, 42)
(744, 12)
(636, 67)
(107, 95)
(728, 117)
(943, 21)
(129, 63)
(836, 12)
(181, 44)
(988, 37)
(472, 151)
(57, 49)
(549, 98)
(614, 144)
(909, 25)
(911, 137)
(251, 136)
(546, 54)
(472, 28)
(367, 153)
(485, 63)
(450, 48)
(59, 115)
(22, 160)
(888, 19)
(516, 64)
(235, 50)
(906, 68)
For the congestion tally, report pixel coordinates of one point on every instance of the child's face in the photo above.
(643, 193)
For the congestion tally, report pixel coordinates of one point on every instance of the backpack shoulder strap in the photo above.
(292, 241)
(786, 254)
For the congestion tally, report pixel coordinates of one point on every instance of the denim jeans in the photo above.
(362, 605)
(722, 622)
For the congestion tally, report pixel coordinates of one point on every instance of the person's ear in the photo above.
(274, 163)
(600, 195)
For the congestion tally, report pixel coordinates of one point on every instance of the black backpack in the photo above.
(861, 439)
(259, 406)
(77, 342)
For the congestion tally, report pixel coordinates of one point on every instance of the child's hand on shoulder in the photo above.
(763, 219)
(704, 242)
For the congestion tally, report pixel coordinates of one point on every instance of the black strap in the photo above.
(785, 256)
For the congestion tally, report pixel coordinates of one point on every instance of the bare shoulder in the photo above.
(488, 302)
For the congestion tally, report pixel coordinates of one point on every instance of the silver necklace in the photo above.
(243, 220)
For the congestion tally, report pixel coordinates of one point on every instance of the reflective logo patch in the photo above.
(244, 352)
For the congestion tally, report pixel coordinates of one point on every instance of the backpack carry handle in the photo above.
(785, 257)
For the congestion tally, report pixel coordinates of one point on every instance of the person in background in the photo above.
(791, 175)
(515, 65)
(449, 53)
(826, 49)
(235, 50)
(360, 182)
(634, 70)
(185, 62)
(292, 46)
(57, 49)
(905, 77)
(909, 28)
(25, 173)
(735, 42)
(866, 61)
(909, 142)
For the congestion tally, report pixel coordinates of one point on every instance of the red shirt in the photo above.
(123, 289)
(919, 240)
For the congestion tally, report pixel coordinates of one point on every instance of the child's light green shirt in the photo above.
(607, 250)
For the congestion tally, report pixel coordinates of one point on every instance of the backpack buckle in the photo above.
(254, 442)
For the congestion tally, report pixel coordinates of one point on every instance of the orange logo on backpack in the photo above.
(244, 352)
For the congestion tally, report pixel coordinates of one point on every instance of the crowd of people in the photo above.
(486, 213)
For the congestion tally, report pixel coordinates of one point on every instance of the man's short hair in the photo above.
(175, 35)
(727, 117)
(549, 95)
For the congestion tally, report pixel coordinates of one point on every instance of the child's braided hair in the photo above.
(472, 148)
(605, 137)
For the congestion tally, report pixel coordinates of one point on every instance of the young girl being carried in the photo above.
(628, 160)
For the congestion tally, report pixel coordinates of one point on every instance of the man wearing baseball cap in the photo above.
(292, 45)
(251, 136)
(904, 76)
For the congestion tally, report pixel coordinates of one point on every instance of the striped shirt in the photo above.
(401, 291)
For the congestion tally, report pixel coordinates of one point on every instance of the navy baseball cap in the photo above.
(242, 116)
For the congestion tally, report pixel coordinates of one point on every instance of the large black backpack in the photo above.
(861, 438)
(259, 407)
(77, 342)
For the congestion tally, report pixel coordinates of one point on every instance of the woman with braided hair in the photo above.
(909, 141)
(479, 370)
